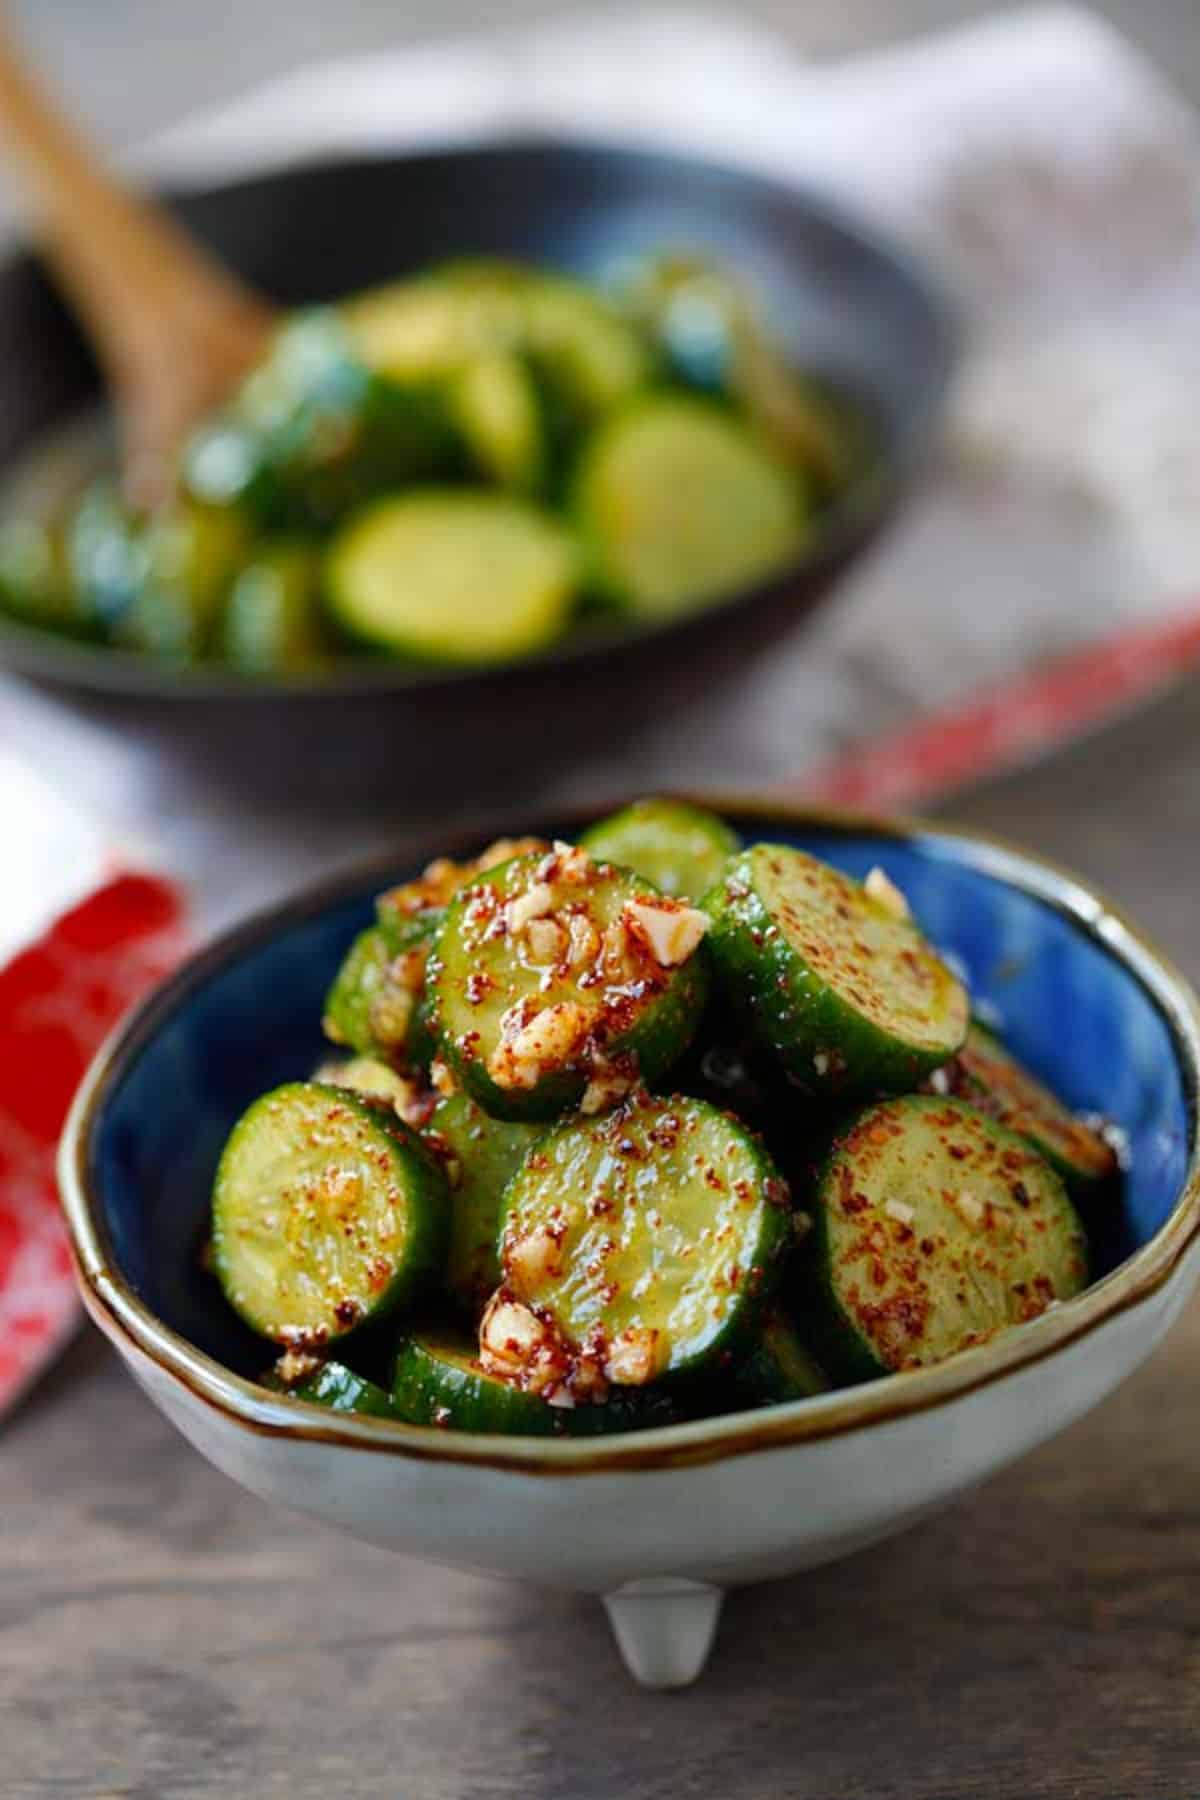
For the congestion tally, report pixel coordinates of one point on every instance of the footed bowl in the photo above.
(660, 1522)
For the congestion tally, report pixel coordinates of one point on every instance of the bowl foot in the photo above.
(664, 1628)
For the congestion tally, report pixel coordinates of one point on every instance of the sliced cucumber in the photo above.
(680, 504)
(315, 432)
(597, 356)
(374, 1005)
(35, 581)
(482, 1154)
(681, 849)
(439, 1380)
(338, 1387)
(433, 325)
(154, 586)
(545, 991)
(379, 1003)
(778, 1367)
(272, 621)
(368, 1076)
(987, 1075)
(409, 914)
(495, 401)
(839, 984)
(327, 1213)
(934, 1229)
(105, 556)
(196, 551)
(712, 336)
(649, 1239)
(453, 577)
(428, 327)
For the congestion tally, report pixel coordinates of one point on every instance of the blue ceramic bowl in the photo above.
(1081, 997)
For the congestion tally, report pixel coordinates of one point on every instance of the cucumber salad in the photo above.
(645, 1127)
(455, 469)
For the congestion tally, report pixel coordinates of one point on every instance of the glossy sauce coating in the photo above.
(938, 1228)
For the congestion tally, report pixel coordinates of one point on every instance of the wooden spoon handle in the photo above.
(173, 330)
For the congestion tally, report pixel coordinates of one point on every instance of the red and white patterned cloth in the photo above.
(59, 998)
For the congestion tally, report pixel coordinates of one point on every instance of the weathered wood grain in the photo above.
(163, 1634)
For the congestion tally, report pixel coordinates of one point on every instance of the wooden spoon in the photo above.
(173, 330)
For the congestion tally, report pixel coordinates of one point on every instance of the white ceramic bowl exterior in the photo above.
(661, 1543)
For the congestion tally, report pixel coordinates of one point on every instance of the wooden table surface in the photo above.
(163, 1633)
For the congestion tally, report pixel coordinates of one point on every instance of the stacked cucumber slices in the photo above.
(641, 1128)
(454, 469)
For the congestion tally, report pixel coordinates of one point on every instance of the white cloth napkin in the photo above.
(1047, 170)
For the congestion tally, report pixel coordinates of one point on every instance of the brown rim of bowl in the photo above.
(122, 1316)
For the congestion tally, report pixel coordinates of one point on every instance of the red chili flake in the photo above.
(347, 1312)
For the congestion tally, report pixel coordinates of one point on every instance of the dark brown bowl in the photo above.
(841, 301)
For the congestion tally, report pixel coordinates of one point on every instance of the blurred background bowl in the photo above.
(840, 300)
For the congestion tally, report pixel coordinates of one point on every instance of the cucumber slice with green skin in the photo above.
(453, 577)
(648, 1239)
(710, 332)
(368, 1076)
(375, 1003)
(439, 1380)
(679, 504)
(405, 929)
(990, 1078)
(191, 556)
(540, 989)
(273, 620)
(682, 849)
(935, 1228)
(197, 550)
(495, 401)
(411, 913)
(838, 984)
(106, 557)
(315, 432)
(484, 1154)
(594, 354)
(778, 1368)
(341, 1390)
(154, 586)
(408, 918)
(327, 1214)
(35, 581)
(431, 326)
